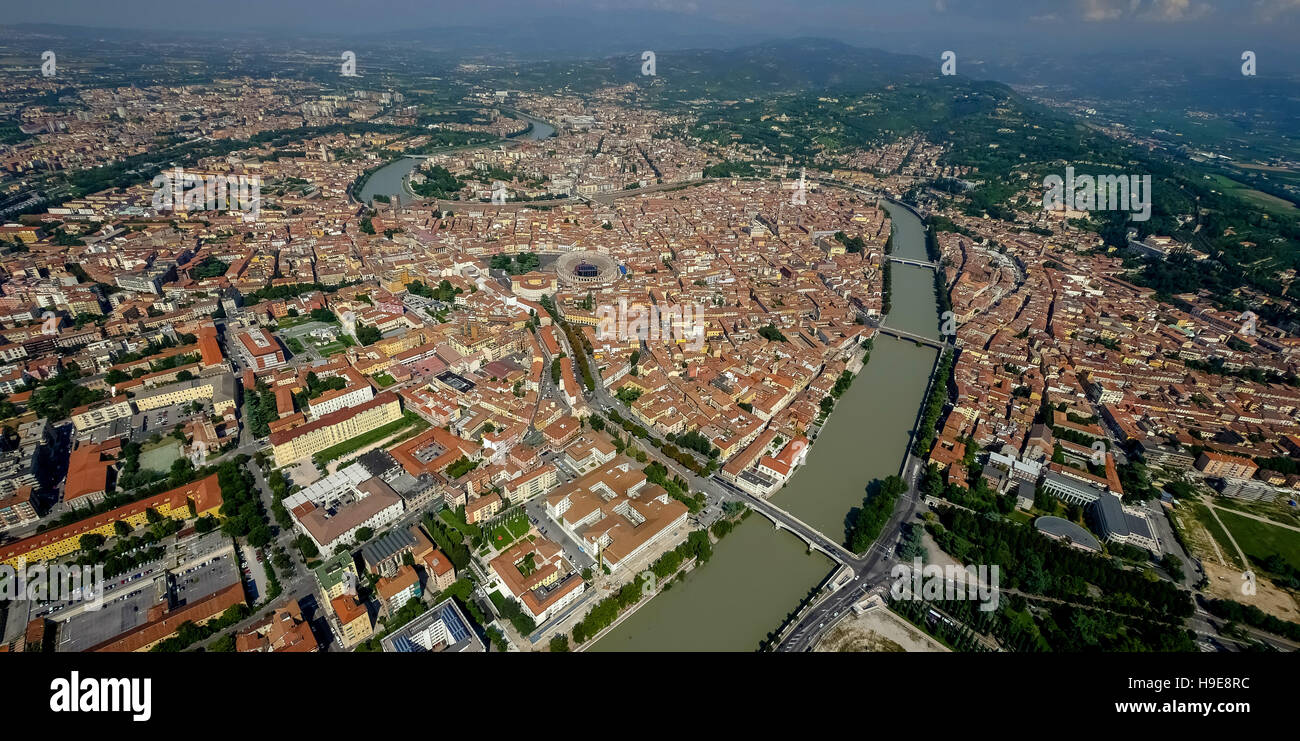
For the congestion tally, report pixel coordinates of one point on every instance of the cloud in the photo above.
(1271, 10)
(1175, 10)
(1096, 11)
(1105, 10)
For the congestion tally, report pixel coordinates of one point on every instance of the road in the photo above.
(869, 571)
(869, 574)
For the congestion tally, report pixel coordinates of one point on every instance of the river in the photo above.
(758, 575)
(389, 180)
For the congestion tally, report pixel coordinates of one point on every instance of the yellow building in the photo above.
(94, 415)
(220, 390)
(337, 575)
(354, 620)
(336, 427)
(202, 497)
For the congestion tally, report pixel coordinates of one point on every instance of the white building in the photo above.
(332, 510)
(332, 401)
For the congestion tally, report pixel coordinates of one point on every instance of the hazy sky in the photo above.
(864, 21)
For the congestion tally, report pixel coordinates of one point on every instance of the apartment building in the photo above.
(537, 481)
(203, 495)
(101, 413)
(17, 510)
(439, 570)
(337, 576)
(20, 466)
(442, 628)
(482, 508)
(353, 620)
(395, 591)
(260, 350)
(299, 442)
(1225, 466)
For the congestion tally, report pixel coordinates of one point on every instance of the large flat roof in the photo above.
(1061, 528)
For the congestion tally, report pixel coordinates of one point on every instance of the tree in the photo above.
(182, 472)
(1043, 500)
(560, 644)
(1173, 566)
(259, 536)
(874, 513)
(368, 335)
(306, 546)
(364, 534)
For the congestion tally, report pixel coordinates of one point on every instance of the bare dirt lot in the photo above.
(1225, 583)
(1201, 542)
(878, 630)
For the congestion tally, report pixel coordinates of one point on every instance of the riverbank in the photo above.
(390, 179)
(761, 574)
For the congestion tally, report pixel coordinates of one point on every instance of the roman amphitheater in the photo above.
(586, 268)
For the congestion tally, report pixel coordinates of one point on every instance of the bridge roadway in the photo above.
(872, 572)
(903, 335)
(913, 261)
(784, 520)
(601, 400)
